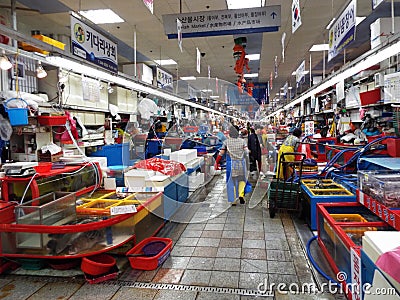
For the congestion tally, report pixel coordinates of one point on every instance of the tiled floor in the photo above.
(237, 248)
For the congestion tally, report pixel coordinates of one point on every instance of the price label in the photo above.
(123, 209)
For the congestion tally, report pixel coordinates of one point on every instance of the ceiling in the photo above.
(52, 17)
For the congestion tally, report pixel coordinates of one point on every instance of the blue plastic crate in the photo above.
(117, 154)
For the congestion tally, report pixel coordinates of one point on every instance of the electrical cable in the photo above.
(27, 187)
(314, 263)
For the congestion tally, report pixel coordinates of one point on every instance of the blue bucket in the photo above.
(17, 116)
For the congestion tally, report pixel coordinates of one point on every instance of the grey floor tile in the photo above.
(4, 281)
(208, 242)
(187, 242)
(95, 292)
(205, 251)
(255, 228)
(129, 293)
(281, 267)
(279, 255)
(196, 277)
(283, 279)
(191, 233)
(230, 243)
(274, 229)
(217, 220)
(227, 264)
(254, 244)
(199, 226)
(233, 226)
(200, 263)
(20, 289)
(56, 290)
(176, 262)
(224, 279)
(253, 235)
(229, 252)
(254, 266)
(182, 251)
(232, 234)
(212, 226)
(254, 253)
(280, 244)
(253, 281)
(212, 233)
(148, 276)
(275, 236)
(175, 295)
(215, 296)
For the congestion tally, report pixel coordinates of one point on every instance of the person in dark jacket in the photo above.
(255, 151)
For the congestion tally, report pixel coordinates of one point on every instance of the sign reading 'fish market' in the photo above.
(224, 22)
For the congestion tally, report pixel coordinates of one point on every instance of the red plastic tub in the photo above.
(43, 167)
(149, 262)
(52, 120)
(370, 97)
(97, 264)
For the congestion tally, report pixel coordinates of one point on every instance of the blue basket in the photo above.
(17, 116)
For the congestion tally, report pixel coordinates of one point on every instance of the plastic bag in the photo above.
(5, 129)
(389, 262)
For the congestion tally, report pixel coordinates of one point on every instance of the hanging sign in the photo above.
(150, 5)
(375, 3)
(283, 46)
(209, 71)
(296, 18)
(309, 128)
(92, 46)
(198, 60)
(224, 22)
(276, 66)
(300, 71)
(355, 274)
(179, 30)
(164, 80)
(343, 31)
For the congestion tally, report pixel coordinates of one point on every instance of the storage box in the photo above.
(134, 178)
(149, 262)
(52, 120)
(370, 97)
(393, 147)
(48, 157)
(7, 214)
(183, 156)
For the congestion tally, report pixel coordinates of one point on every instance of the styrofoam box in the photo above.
(157, 181)
(381, 29)
(194, 163)
(195, 181)
(183, 156)
(134, 178)
(101, 160)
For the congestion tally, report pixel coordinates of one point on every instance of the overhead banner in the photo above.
(343, 31)
(179, 30)
(375, 3)
(300, 71)
(283, 46)
(150, 5)
(296, 18)
(198, 60)
(92, 46)
(224, 22)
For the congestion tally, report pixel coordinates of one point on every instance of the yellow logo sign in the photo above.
(79, 33)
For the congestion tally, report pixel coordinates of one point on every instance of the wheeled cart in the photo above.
(284, 193)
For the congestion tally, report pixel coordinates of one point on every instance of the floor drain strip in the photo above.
(195, 288)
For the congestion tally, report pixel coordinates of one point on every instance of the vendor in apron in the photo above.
(236, 171)
(290, 144)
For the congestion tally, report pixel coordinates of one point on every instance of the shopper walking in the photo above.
(255, 151)
(290, 144)
(236, 171)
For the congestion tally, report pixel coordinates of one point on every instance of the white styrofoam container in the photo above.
(183, 156)
(158, 181)
(195, 181)
(381, 29)
(136, 177)
(198, 161)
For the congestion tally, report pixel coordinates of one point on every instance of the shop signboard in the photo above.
(343, 31)
(224, 22)
(93, 46)
(375, 3)
(165, 80)
(355, 275)
(300, 71)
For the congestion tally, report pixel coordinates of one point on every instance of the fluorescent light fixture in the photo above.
(330, 23)
(359, 20)
(253, 56)
(165, 62)
(101, 16)
(214, 97)
(238, 4)
(206, 91)
(319, 47)
(251, 75)
(188, 78)
(305, 72)
(290, 88)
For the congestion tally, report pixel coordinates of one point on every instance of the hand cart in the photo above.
(284, 193)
